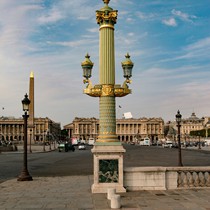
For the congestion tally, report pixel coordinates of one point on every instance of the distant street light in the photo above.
(206, 131)
(185, 140)
(178, 120)
(49, 140)
(199, 141)
(25, 176)
(44, 141)
(30, 150)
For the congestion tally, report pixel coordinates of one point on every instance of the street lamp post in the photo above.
(30, 141)
(185, 140)
(107, 144)
(199, 141)
(49, 140)
(44, 142)
(206, 131)
(54, 141)
(178, 120)
(25, 176)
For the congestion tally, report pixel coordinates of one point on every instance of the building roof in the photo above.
(193, 118)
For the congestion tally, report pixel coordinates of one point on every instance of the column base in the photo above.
(108, 167)
(25, 176)
(102, 188)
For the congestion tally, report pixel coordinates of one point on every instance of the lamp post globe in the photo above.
(127, 66)
(87, 66)
(178, 117)
(178, 120)
(25, 176)
(25, 103)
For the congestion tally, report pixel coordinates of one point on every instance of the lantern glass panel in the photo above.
(25, 107)
(178, 117)
(87, 72)
(25, 103)
(127, 71)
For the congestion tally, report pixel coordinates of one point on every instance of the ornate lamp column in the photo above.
(178, 120)
(25, 176)
(108, 150)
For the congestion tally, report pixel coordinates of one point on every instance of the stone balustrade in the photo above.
(193, 178)
(163, 178)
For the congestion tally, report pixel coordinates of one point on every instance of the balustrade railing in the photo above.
(192, 179)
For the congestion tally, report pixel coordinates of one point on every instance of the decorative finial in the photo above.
(87, 55)
(127, 61)
(106, 1)
(127, 66)
(127, 55)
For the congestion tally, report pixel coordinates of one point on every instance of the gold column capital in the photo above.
(106, 16)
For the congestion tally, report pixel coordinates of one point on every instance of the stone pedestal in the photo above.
(108, 167)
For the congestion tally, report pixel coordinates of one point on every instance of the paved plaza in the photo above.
(74, 192)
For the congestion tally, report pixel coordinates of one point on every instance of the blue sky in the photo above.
(169, 43)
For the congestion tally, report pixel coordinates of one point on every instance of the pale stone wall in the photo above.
(164, 178)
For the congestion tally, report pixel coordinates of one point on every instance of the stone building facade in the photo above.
(192, 123)
(12, 129)
(127, 130)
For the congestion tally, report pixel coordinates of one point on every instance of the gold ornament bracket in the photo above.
(108, 90)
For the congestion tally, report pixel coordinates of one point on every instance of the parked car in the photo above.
(175, 145)
(145, 142)
(207, 142)
(82, 146)
(66, 147)
(91, 141)
(168, 144)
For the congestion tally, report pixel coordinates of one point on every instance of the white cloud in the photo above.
(145, 16)
(131, 34)
(73, 43)
(170, 22)
(130, 20)
(200, 44)
(52, 16)
(93, 30)
(183, 16)
(197, 51)
(76, 9)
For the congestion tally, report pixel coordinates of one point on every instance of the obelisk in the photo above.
(31, 108)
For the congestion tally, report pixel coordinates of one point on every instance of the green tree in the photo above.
(64, 134)
(201, 133)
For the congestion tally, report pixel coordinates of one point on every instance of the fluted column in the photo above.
(107, 115)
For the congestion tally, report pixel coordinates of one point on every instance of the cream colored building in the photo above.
(128, 130)
(192, 123)
(12, 129)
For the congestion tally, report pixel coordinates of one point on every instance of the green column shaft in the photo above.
(107, 115)
(106, 56)
(107, 124)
